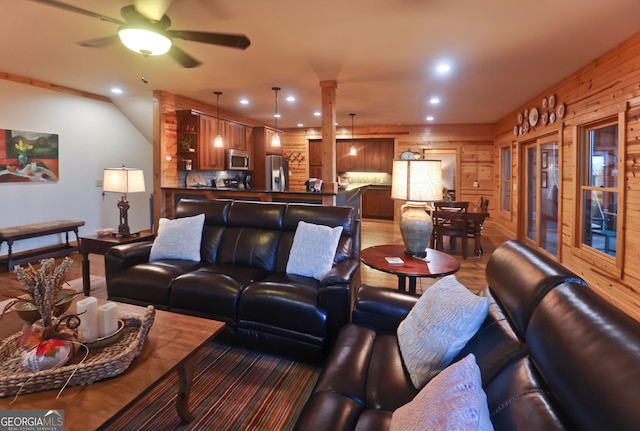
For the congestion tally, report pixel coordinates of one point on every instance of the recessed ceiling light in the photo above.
(317, 114)
(291, 99)
(116, 90)
(244, 102)
(276, 115)
(430, 118)
(434, 100)
(443, 68)
(300, 125)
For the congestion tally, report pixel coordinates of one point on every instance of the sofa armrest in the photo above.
(121, 257)
(381, 308)
(341, 273)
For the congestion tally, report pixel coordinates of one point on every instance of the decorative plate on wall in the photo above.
(533, 116)
(552, 101)
(544, 103)
(520, 118)
(515, 130)
(561, 110)
(552, 117)
(525, 125)
(544, 118)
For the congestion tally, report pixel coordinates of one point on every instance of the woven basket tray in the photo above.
(107, 361)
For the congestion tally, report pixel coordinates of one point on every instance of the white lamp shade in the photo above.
(144, 41)
(417, 180)
(123, 180)
(275, 140)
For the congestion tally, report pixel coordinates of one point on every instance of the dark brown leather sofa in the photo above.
(553, 355)
(241, 278)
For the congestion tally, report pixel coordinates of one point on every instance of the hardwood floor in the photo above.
(374, 232)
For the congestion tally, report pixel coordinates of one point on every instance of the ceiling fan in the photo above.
(145, 30)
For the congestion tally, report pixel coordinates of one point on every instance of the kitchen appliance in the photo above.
(237, 160)
(277, 172)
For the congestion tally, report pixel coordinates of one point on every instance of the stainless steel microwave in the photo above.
(237, 160)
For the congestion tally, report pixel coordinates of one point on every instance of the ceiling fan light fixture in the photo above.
(144, 41)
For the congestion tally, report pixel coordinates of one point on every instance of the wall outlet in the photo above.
(99, 182)
(475, 184)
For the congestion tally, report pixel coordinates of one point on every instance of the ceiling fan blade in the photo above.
(100, 42)
(183, 58)
(70, 8)
(152, 9)
(231, 40)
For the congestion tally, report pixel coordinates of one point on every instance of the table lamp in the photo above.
(123, 180)
(416, 182)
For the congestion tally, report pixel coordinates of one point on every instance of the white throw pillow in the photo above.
(453, 400)
(178, 239)
(313, 249)
(438, 326)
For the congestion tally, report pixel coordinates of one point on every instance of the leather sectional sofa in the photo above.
(241, 277)
(552, 354)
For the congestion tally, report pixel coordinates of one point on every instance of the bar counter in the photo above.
(351, 195)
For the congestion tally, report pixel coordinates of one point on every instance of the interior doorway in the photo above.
(450, 169)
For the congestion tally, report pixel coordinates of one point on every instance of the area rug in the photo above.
(233, 389)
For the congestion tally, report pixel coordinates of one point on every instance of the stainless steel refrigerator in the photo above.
(277, 171)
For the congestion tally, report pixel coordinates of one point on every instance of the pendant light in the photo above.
(352, 151)
(275, 140)
(217, 142)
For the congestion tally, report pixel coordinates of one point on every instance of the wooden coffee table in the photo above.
(169, 347)
(436, 264)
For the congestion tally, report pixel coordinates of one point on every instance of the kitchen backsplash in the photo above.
(381, 178)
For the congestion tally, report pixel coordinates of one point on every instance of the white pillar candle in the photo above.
(87, 310)
(107, 319)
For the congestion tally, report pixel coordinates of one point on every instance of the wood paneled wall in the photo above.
(607, 85)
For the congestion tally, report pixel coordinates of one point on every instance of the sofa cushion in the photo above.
(438, 326)
(313, 249)
(178, 239)
(454, 399)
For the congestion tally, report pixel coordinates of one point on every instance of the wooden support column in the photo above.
(329, 183)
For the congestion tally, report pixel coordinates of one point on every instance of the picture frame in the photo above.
(543, 180)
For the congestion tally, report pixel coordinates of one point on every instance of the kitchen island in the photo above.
(350, 196)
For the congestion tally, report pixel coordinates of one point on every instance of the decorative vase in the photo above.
(23, 159)
(416, 228)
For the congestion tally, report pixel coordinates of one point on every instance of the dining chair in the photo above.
(450, 219)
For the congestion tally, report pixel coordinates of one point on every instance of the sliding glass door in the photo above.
(541, 194)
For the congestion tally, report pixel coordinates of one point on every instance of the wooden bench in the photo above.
(11, 234)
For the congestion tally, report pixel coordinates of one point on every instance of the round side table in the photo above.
(436, 264)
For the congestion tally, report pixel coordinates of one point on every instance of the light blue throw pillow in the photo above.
(178, 239)
(438, 326)
(313, 250)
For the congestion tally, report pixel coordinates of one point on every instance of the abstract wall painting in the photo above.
(28, 156)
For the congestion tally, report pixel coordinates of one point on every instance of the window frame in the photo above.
(612, 265)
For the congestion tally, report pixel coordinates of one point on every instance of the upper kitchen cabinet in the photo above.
(378, 154)
(236, 136)
(372, 155)
(195, 133)
(262, 137)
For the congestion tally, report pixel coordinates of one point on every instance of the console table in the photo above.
(14, 233)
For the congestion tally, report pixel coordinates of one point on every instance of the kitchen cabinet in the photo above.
(372, 155)
(345, 162)
(377, 203)
(195, 134)
(235, 135)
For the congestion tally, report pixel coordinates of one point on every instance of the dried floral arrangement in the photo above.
(41, 286)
